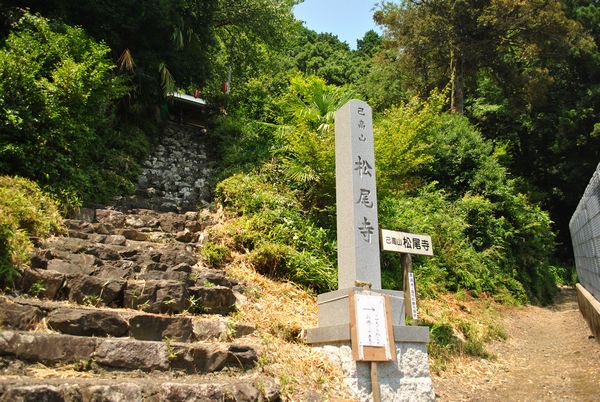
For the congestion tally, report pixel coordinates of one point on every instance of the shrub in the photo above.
(438, 175)
(24, 211)
(280, 238)
(214, 254)
(57, 95)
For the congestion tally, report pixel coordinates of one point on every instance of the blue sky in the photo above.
(348, 19)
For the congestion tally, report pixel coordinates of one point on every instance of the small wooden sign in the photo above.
(409, 243)
(371, 328)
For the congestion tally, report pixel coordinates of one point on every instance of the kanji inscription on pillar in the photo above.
(356, 197)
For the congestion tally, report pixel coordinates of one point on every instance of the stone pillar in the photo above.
(356, 197)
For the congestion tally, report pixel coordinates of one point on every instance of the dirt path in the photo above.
(549, 355)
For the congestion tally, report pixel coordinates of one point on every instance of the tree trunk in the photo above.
(457, 102)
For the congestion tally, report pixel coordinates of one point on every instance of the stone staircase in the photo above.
(121, 309)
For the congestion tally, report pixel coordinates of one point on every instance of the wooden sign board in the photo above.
(371, 328)
(408, 243)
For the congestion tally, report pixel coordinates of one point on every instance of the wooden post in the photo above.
(375, 383)
(406, 264)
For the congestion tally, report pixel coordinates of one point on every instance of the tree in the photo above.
(57, 95)
(369, 43)
(324, 55)
(450, 41)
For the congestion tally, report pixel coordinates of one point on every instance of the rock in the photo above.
(172, 222)
(104, 253)
(77, 234)
(93, 290)
(190, 392)
(216, 278)
(135, 222)
(139, 294)
(169, 276)
(197, 358)
(183, 267)
(244, 357)
(185, 236)
(46, 348)
(113, 393)
(117, 270)
(41, 283)
(156, 266)
(130, 254)
(83, 214)
(33, 393)
(156, 296)
(243, 329)
(133, 234)
(206, 328)
(129, 354)
(103, 228)
(243, 392)
(115, 218)
(83, 322)
(115, 240)
(86, 261)
(18, 316)
(213, 300)
(39, 261)
(175, 256)
(65, 267)
(149, 327)
(193, 226)
(191, 216)
(171, 297)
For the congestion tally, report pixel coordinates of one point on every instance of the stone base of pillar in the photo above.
(406, 379)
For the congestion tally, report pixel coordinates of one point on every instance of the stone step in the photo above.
(139, 225)
(91, 390)
(114, 247)
(125, 354)
(28, 313)
(151, 295)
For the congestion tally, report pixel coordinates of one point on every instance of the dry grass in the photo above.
(281, 311)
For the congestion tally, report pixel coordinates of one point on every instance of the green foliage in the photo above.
(490, 238)
(24, 211)
(57, 90)
(324, 55)
(436, 175)
(281, 239)
(214, 254)
(240, 144)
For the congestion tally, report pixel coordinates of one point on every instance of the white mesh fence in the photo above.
(585, 235)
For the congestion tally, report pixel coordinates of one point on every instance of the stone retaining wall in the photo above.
(176, 176)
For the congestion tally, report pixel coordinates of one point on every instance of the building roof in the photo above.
(184, 98)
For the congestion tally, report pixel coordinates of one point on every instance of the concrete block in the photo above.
(334, 307)
(590, 309)
(341, 333)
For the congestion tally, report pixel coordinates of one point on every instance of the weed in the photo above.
(172, 354)
(37, 288)
(84, 364)
(92, 300)
(143, 306)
